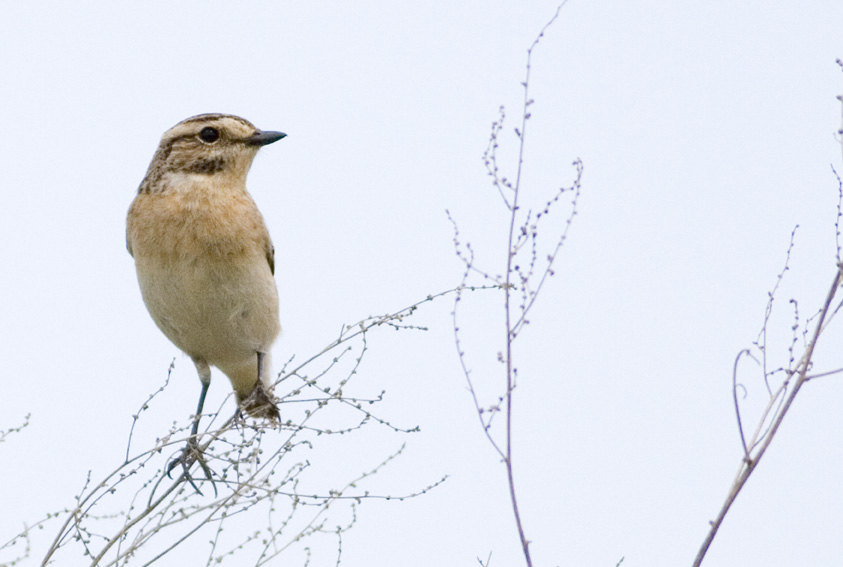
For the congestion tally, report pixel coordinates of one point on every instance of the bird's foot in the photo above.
(260, 403)
(192, 453)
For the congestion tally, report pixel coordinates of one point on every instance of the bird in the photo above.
(204, 259)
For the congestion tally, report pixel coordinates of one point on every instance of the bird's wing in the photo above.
(129, 242)
(270, 255)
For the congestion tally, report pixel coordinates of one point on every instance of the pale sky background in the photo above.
(707, 130)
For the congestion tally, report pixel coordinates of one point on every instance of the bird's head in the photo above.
(220, 147)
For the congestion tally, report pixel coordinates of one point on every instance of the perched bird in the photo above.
(204, 259)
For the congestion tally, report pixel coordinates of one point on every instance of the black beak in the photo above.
(263, 138)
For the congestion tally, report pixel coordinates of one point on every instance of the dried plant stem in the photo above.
(763, 441)
(259, 467)
(796, 375)
(524, 267)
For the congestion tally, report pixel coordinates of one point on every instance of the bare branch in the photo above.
(763, 440)
(746, 352)
(522, 267)
(258, 468)
(6, 432)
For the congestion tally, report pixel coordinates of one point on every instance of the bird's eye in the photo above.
(209, 135)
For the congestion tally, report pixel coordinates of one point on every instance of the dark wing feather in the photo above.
(270, 256)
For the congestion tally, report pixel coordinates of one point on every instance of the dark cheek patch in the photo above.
(207, 166)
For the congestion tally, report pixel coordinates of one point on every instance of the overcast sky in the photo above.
(707, 132)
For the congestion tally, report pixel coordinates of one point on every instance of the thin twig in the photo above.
(735, 398)
(522, 237)
(749, 464)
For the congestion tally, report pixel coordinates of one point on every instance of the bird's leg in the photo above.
(193, 453)
(261, 356)
(259, 403)
(238, 414)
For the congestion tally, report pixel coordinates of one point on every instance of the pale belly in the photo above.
(221, 311)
